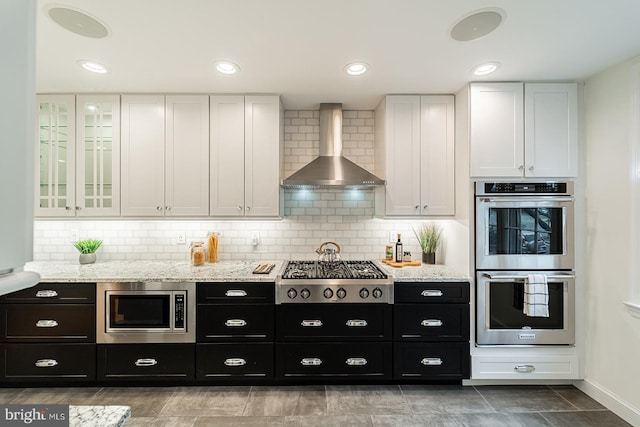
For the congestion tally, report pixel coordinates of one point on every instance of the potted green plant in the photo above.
(87, 249)
(429, 236)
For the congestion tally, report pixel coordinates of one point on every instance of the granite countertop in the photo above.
(98, 416)
(183, 271)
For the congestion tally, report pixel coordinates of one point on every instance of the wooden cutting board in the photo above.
(413, 263)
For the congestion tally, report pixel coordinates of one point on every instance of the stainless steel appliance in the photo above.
(146, 312)
(501, 321)
(338, 281)
(524, 226)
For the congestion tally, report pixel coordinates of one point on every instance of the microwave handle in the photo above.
(521, 277)
(560, 199)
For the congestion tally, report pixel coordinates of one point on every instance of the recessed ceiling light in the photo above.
(227, 67)
(356, 68)
(486, 68)
(477, 24)
(93, 66)
(78, 22)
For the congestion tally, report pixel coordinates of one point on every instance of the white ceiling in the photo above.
(298, 48)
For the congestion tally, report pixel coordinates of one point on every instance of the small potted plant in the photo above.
(87, 249)
(429, 236)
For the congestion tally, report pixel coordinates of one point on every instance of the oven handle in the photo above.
(558, 199)
(521, 277)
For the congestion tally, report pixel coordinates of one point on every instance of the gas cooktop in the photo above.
(336, 281)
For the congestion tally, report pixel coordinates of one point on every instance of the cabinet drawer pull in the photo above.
(235, 293)
(524, 368)
(311, 323)
(356, 361)
(356, 323)
(235, 323)
(235, 361)
(46, 323)
(46, 293)
(146, 362)
(431, 361)
(431, 322)
(432, 293)
(311, 361)
(46, 363)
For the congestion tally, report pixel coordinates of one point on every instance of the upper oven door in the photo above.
(524, 232)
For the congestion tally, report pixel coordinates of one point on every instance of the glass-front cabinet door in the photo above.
(98, 155)
(55, 192)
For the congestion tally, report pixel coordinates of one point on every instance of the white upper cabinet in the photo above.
(165, 152)
(523, 130)
(78, 170)
(415, 154)
(55, 167)
(245, 156)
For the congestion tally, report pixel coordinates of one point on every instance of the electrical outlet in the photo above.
(181, 238)
(255, 238)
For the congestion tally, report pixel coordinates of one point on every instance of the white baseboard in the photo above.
(611, 401)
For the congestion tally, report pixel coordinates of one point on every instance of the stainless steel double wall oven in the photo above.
(524, 228)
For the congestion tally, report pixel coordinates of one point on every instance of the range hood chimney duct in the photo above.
(330, 169)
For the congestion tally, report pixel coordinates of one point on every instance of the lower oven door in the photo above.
(500, 316)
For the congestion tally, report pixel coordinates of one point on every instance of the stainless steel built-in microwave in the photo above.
(145, 312)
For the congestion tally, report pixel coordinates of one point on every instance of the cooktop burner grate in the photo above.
(362, 270)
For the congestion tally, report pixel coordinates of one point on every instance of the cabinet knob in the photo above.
(67, 208)
(521, 167)
(239, 208)
(425, 207)
(168, 207)
(158, 208)
(531, 167)
(417, 207)
(248, 208)
(78, 208)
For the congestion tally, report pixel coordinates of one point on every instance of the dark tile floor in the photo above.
(337, 405)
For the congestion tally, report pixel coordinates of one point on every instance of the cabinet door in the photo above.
(55, 168)
(227, 156)
(98, 155)
(403, 155)
(437, 190)
(262, 156)
(187, 156)
(551, 130)
(142, 155)
(497, 130)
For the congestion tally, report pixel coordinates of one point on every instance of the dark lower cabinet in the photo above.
(48, 322)
(235, 361)
(432, 361)
(363, 360)
(144, 362)
(48, 362)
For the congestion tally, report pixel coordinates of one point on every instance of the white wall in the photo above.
(612, 334)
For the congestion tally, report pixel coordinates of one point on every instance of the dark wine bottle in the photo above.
(399, 252)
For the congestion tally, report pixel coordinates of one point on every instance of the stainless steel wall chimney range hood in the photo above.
(330, 169)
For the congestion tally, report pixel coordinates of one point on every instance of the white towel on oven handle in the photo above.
(536, 296)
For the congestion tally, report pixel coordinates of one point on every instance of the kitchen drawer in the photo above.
(234, 361)
(167, 362)
(54, 293)
(438, 361)
(49, 362)
(236, 292)
(47, 323)
(333, 322)
(234, 323)
(362, 360)
(431, 322)
(431, 292)
(526, 366)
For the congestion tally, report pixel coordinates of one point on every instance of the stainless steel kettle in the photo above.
(328, 254)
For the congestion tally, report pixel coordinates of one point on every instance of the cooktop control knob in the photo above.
(341, 293)
(377, 293)
(364, 293)
(328, 293)
(305, 293)
(292, 293)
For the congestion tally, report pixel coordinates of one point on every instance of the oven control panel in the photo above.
(524, 188)
(319, 293)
